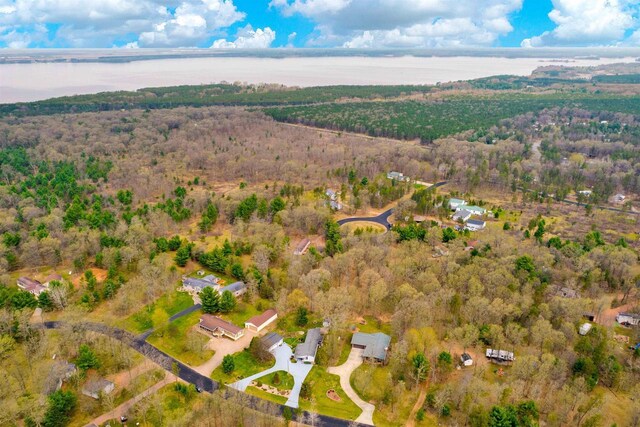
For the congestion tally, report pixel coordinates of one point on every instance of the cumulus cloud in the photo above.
(248, 38)
(593, 22)
(101, 23)
(405, 23)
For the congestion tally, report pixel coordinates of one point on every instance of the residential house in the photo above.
(376, 346)
(585, 193)
(336, 206)
(466, 359)
(475, 210)
(462, 215)
(195, 286)
(236, 288)
(219, 328)
(585, 328)
(475, 225)
(51, 278)
(332, 194)
(628, 319)
(500, 355)
(261, 321)
(32, 286)
(454, 203)
(397, 176)
(302, 247)
(96, 387)
(565, 292)
(306, 351)
(272, 340)
(619, 198)
(60, 372)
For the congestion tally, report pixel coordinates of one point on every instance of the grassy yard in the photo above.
(374, 325)
(370, 382)
(284, 381)
(254, 391)
(287, 325)
(245, 366)
(171, 303)
(182, 343)
(321, 382)
(244, 311)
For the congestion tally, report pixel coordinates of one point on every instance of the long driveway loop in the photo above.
(344, 371)
(298, 371)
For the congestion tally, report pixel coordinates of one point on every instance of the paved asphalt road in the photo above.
(188, 374)
(383, 218)
(143, 336)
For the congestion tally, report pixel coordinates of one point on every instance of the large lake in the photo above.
(36, 81)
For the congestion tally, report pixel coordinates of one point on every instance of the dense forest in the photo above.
(120, 205)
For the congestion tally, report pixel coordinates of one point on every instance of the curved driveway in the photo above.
(344, 371)
(383, 218)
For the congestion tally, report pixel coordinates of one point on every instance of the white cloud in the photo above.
(405, 23)
(248, 38)
(100, 23)
(583, 23)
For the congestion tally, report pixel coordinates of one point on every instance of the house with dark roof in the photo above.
(375, 346)
(306, 351)
(272, 340)
(97, 386)
(219, 328)
(261, 321)
(32, 286)
(236, 288)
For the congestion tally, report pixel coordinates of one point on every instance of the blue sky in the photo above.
(318, 23)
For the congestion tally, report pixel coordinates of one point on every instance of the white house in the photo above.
(475, 225)
(466, 359)
(475, 210)
(397, 176)
(261, 321)
(628, 319)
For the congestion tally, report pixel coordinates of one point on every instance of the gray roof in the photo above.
(197, 283)
(477, 222)
(271, 339)
(234, 287)
(310, 345)
(375, 345)
(96, 385)
(462, 214)
(210, 278)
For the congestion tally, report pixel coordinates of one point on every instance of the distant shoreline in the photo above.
(31, 56)
(40, 80)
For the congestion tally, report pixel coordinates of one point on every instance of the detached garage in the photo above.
(261, 321)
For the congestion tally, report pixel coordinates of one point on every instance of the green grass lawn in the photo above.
(178, 341)
(373, 325)
(287, 325)
(321, 381)
(285, 380)
(245, 366)
(346, 349)
(171, 303)
(254, 391)
(174, 406)
(244, 311)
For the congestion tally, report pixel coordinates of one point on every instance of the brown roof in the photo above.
(302, 245)
(212, 323)
(30, 285)
(260, 319)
